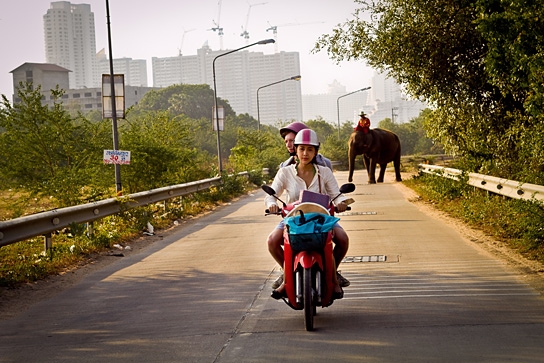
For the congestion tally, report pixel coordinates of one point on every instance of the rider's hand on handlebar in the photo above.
(273, 209)
(341, 207)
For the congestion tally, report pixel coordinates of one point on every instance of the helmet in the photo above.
(292, 127)
(307, 137)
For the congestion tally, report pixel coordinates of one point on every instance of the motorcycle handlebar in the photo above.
(267, 211)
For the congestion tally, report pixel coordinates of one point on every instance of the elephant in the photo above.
(377, 146)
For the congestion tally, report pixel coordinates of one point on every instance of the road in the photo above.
(201, 294)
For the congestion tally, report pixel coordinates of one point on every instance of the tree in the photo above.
(46, 151)
(163, 152)
(412, 135)
(322, 128)
(450, 54)
(194, 101)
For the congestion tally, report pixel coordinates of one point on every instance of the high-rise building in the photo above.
(335, 106)
(238, 77)
(391, 102)
(385, 99)
(135, 70)
(70, 41)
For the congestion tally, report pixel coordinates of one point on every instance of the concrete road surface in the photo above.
(202, 295)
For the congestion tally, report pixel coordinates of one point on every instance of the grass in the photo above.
(16, 203)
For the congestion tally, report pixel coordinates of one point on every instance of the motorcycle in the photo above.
(309, 267)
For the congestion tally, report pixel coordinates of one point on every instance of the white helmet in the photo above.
(306, 137)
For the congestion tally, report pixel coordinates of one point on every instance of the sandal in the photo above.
(276, 294)
(337, 295)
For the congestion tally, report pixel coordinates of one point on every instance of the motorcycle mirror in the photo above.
(347, 188)
(268, 190)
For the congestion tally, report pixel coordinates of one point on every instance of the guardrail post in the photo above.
(90, 229)
(47, 242)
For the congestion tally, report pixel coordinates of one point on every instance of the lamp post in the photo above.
(338, 105)
(266, 41)
(294, 78)
(118, 187)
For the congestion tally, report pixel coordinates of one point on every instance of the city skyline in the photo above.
(140, 31)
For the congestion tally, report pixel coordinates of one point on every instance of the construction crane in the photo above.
(245, 33)
(217, 27)
(274, 29)
(182, 39)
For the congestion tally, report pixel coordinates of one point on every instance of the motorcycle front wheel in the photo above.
(308, 298)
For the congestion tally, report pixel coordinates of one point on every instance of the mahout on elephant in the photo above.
(378, 147)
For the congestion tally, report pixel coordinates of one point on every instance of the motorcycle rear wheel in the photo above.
(308, 298)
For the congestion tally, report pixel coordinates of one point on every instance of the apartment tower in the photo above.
(238, 78)
(70, 42)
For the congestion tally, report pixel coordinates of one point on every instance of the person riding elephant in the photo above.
(378, 147)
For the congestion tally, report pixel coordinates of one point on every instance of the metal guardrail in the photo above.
(508, 188)
(44, 223)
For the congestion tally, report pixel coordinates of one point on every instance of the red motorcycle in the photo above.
(309, 268)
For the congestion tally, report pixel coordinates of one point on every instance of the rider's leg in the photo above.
(341, 241)
(274, 241)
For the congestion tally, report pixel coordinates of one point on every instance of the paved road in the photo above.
(202, 295)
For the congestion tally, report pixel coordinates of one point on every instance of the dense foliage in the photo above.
(47, 152)
(413, 138)
(478, 63)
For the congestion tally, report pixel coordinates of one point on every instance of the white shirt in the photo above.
(287, 180)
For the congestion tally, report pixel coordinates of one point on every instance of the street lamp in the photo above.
(118, 187)
(338, 105)
(266, 41)
(294, 78)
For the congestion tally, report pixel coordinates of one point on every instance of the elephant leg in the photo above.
(382, 172)
(352, 156)
(371, 169)
(397, 170)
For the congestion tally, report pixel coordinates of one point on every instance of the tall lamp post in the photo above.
(118, 187)
(266, 41)
(294, 78)
(338, 105)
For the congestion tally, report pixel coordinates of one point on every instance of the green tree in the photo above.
(412, 135)
(322, 128)
(47, 152)
(163, 152)
(194, 101)
(255, 150)
(452, 55)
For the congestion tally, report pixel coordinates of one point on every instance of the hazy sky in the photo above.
(155, 28)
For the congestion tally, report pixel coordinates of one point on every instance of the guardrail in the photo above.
(508, 188)
(44, 223)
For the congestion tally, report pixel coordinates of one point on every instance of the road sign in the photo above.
(116, 157)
